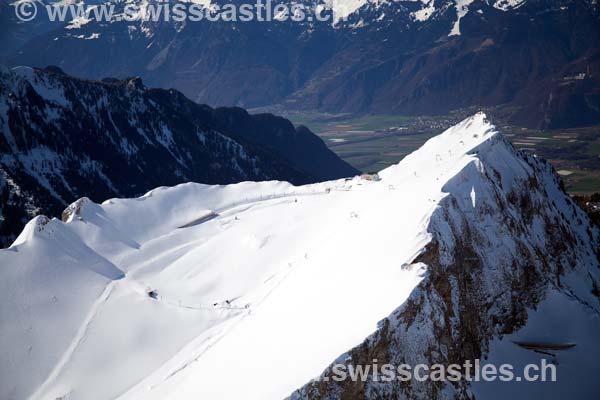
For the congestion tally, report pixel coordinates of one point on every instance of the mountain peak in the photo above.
(135, 82)
(468, 133)
(34, 227)
(460, 221)
(449, 150)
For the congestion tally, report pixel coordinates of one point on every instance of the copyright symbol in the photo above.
(26, 10)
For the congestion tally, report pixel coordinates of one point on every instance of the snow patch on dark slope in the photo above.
(463, 246)
(402, 57)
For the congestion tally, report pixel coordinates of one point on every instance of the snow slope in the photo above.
(511, 258)
(62, 138)
(257, 286)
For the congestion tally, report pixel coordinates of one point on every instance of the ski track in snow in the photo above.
(79, 337)
(292, 266)
(105, 295)
(226, 211)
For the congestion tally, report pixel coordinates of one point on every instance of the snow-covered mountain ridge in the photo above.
(512, 259)
(62, 137)
(265, 284)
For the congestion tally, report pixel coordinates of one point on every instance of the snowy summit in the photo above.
(252, 290)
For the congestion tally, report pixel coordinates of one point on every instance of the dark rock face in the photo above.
(487, 267)
(381, 60)
(63, 138)
(591, 205)
(298, 145)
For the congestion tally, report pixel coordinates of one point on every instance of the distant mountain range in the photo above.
(63, 137)
(539, 60)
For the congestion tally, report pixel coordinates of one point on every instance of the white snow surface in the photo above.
(426, 12)
(344, 8)
(557, 319)
(505, 5)
(259, 286)
(431, 7)
(462, 9)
